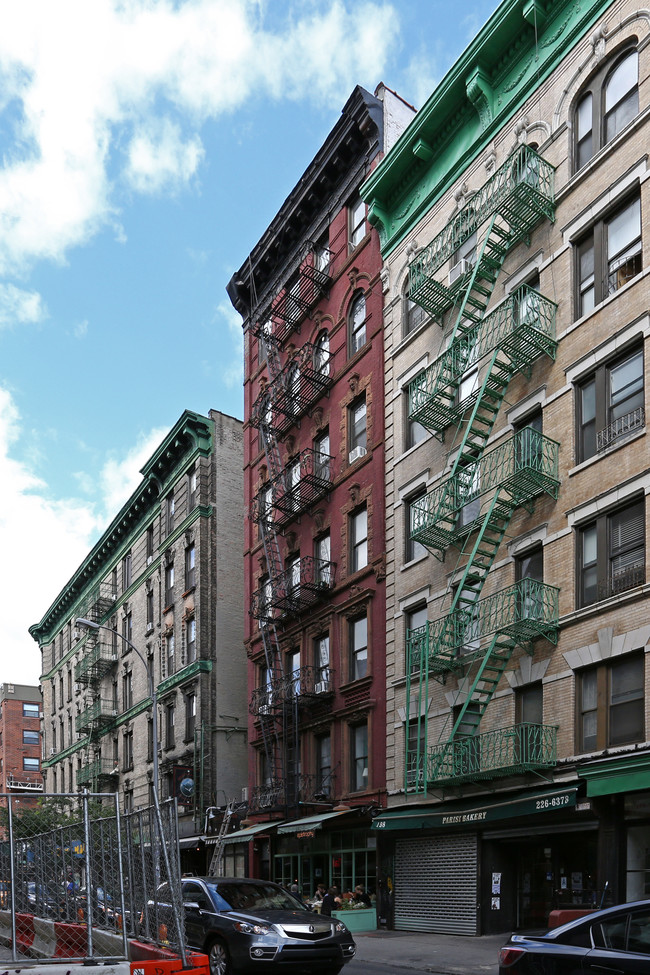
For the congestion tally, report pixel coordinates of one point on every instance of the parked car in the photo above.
(616, 939)
(257, 926)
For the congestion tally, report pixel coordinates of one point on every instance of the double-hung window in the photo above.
(610, 403)
(609, 256)
(358, 647)
(359, 539)
(322, 555)
(412, 548)
(357, 426)
(611, 554)
(359, 757)
(356, 222)
(609, 102)
(611, 704)
(357, 323)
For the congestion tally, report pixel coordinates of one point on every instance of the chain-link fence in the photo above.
(78, 878)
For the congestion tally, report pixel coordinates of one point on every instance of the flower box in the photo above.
(358, 918)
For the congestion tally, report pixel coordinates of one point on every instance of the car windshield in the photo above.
(253, 897)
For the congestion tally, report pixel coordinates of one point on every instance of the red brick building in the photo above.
(310, 294)
(20, 740)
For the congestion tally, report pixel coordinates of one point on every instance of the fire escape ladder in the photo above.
(476, 293)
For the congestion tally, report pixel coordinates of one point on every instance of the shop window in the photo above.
(611, 705)
(609, 256)
(611, 554)
(610, 404)
(605, 107)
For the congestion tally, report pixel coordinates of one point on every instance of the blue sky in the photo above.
(145, 146)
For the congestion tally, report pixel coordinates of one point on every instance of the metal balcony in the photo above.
(302, 485)
(96, 771)
(304, 583)
(524, 611)
(521, 193)
(99, 601)
(100, 713)
(302, 381)
(24, 782)
(524, 466)
(523, 327)
(300, 689)
(294, 304)
(621, 428)
(264, 798)
(492, 755)
(96, 663)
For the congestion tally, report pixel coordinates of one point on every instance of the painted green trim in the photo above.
(624, 775)
(194, 668)
(189, 438)
(483, 90)
(70, 750)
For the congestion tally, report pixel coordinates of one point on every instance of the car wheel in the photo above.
(219, 959)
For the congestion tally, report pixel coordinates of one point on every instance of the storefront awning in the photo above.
(187, 842)
(310, 823)
(242, 835)
(620, 775)
(446, 815)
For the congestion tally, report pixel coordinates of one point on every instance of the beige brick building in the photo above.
(166, 576)
(513, 215)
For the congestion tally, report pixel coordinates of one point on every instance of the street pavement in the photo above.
(446, 954)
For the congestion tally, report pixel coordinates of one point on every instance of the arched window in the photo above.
(322, 354)
(606, 105)
(357, 323)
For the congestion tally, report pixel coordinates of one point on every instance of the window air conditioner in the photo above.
(264, 709)
(244, 794)
(322, 687)
(459, 269)
(79, 735)
(114, 712)
(356, 453)
(52, 751)
(149, 559)
(77, 687)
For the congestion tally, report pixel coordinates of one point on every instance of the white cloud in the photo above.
(19, 307)
(232, 371)
(45, 540)
(120, 477)
(92, 94)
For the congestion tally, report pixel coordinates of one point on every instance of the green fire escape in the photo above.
(471, 509)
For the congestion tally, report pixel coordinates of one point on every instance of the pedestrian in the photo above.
(331, 901)
(295, 889)
(361, 896)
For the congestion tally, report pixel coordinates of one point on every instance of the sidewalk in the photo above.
(436, 953)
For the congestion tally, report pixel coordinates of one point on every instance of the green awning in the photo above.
(620, 775)
(310, 823)
(446, 815)
(242, 835)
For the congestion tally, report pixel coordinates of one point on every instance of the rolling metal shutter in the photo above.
(436, 884)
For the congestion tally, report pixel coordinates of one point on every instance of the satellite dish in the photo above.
(187, 788)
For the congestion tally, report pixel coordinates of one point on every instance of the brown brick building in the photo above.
(20, 740)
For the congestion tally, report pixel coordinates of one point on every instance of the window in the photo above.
(126, 571)
(190, 716)
(127, 745)
(262, 347)
(322, 354)
(30, 764)
(528, 445)
(128, 800)
(357, 323)
(358, 647)
(413, 315)
(170, 718)
(415, 754)
(322, 458)
(149, 543)
(606, 106)
(412, 549)
(530, 601)
(169, 584)
(191, 640)
(149, 740)
(322, 554)
(127, 630)
(415, 432)
(190, 570)
(359, 770)
(357, 222)
(611, 704)
(529, 704)
(359, 539)
(609, 256)
(31, 710)
(31, 737)
(170, 510)
(266, 418)
(414, 619)
(191, 488)
(292, 664)
(127, 691)
(463, 259)
(324, 766)
(611, 554)
(150, 609)
(53, 698)
(69, 684)
(468, 383)
(357, 429)
(322, 657)
(468, 486)
(170, 653)
(293, 389)
(610, 404)
(468, 623)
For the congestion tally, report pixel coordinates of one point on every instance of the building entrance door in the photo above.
(553, 872)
